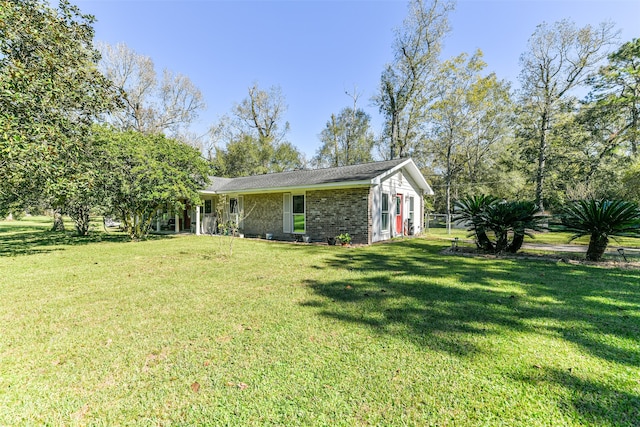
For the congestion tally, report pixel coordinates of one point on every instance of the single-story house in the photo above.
(372, 202)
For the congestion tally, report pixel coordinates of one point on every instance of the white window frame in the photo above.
(384, 229)
(304, 213)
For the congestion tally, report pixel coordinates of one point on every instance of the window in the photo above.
(385, 212)
(207, 206)
(411, 209)
(298, 213)
(398, 205)
(233, 206)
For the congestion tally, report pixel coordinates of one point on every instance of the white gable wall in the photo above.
(393, 185)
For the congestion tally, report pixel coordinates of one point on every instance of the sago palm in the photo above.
(525, 218)
(511, 222)
(468, 211)
(601, 219)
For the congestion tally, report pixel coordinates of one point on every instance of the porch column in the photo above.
(197, 220)
(158, 213)
(176, 226)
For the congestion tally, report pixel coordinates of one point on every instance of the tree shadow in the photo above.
(41, 241)
(595, 403)
(452, 304)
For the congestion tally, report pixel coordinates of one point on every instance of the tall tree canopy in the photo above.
(559, 58)
(404, 85)
(616, 95)
(466, 123)
(346, 139)
(50, 92)
(253, 141)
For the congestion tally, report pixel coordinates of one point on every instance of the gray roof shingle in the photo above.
(302, 178)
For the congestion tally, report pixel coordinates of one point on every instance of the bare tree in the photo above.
(252, 140)
(261, 114)
(403, 91)
(150, 106)
(559, 58)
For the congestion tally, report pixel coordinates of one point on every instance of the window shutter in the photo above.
(286, 213)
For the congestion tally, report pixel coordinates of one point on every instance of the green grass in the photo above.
(551, 238)
(109, 332)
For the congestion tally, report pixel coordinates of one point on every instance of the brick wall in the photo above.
(332, 212)
(263, 214)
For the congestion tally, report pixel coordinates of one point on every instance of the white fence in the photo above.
(435, 220)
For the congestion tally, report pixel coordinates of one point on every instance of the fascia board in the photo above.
(326, 186)
(414, 173)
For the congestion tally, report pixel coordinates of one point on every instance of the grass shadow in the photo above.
(17, 240)
(456, 304)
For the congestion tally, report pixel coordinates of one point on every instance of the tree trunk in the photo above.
(516, 243)
(448, 185)
(482, 241)
(597, 245)
(542, 161)
(58, 222)
(80, 216)
(394, 134)
(501, 240)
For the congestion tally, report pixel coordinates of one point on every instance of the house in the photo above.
(372, 202)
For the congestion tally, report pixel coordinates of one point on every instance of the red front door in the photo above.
(398, 210)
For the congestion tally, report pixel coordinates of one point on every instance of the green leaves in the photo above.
(50, 92)
(509, 221)
(140, 173)
(601, 219)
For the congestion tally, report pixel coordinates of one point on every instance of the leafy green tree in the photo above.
(559, 58)
(466, 122)
(50, 93)
(601, 219)
(346, 139)
(616, 94)
(631, 182)
(404, 91)
(142, 173)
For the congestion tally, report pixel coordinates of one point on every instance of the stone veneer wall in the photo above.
(263, 214)
(332, 212)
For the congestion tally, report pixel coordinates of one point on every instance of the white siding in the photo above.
(396, 184)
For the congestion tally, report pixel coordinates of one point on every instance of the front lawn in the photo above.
(177, 331)
(548, 238)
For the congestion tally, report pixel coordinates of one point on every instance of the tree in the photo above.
(559, 58)
(469, 211)
(50, 92)
(510, 222)
(404, 84)
(254, 137)
(601, 219)
(142, 173)
(261, 114)
(616, 94)
(346, 139)
(150, 106)
(631, 181)
(467, 119)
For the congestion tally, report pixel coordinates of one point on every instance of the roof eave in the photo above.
(414, 172)
(323, 186)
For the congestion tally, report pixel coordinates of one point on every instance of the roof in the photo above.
(362, 174)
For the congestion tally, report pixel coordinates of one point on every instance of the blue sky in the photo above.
(317, 50)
